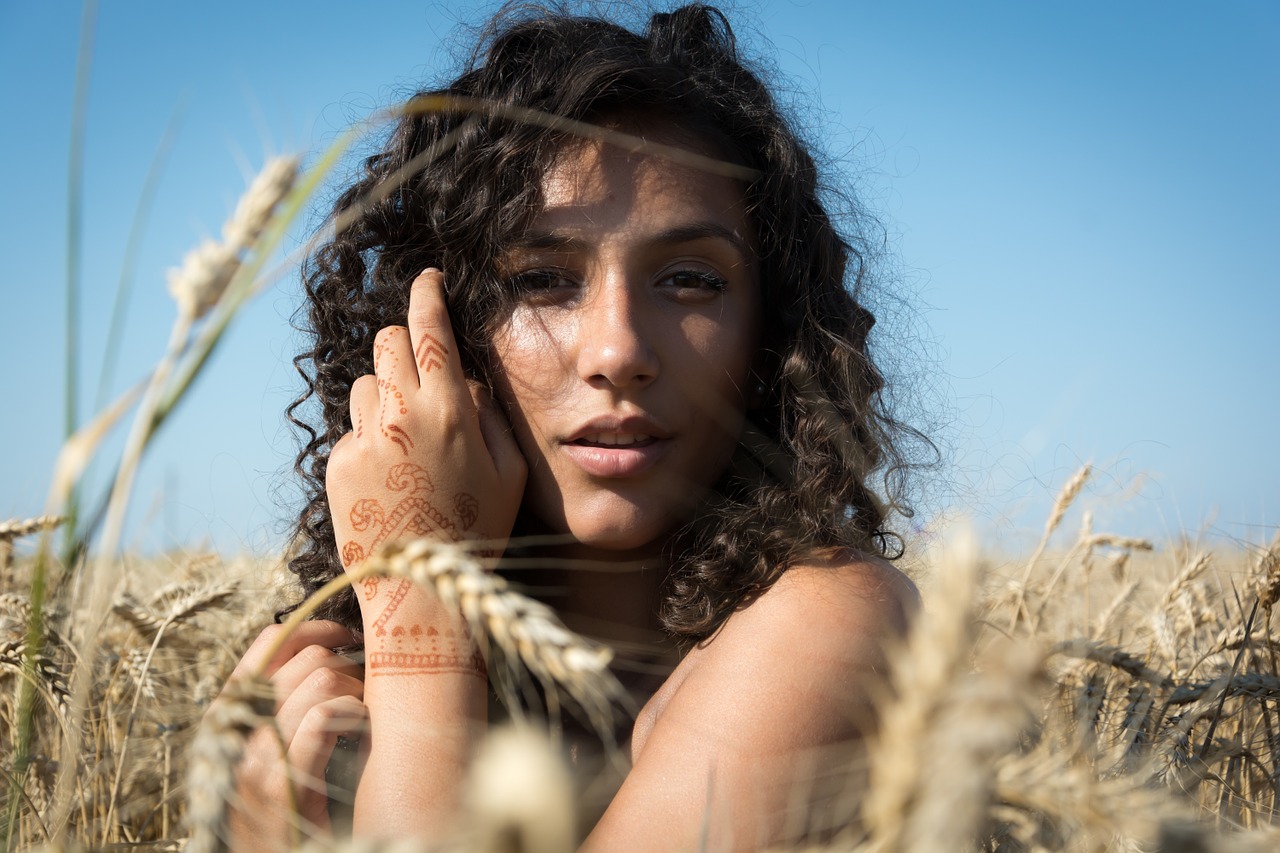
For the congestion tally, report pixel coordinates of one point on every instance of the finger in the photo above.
(312, 633)
(507, 458)
(261, 813)
(293, 672)
(363, 404)
(320, 686)
(393, 366)
(312, 748)
(431, 334)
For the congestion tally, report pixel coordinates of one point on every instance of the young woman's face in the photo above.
(625, 362)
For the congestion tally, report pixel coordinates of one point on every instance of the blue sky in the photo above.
(1079, 200)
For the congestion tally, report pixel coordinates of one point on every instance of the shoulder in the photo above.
(811, 649)
(834, 598)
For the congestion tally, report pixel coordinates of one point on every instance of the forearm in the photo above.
(426, 693)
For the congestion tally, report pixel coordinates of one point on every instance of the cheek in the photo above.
(723, 348)
(531, 366)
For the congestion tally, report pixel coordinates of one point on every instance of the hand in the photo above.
(429, 453)
(318, 698)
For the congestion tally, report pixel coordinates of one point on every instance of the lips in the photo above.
(614, 439)
(613, 447)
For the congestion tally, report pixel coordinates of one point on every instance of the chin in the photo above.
(632, 537)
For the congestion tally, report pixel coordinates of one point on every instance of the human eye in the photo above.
(542, 283)
(692, 282)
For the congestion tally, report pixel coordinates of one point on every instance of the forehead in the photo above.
(592, 183)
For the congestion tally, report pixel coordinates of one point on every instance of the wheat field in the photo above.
(1101, 693)
(1098, 693)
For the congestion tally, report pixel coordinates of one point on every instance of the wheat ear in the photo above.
(519, 795)
(944, 723)
(215, 752)
(1067, 496)
(522, 628)
(208, 269)
(16, 528)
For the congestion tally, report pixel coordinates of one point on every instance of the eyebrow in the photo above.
(554, 241)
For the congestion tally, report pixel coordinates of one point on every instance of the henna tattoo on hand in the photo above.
(409, 476)
(397, 595)
(413, 515)
(365, 512)
(467, 509)
(352, 553)
(431, 354)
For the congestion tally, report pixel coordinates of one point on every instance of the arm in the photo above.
(783, 687)
(425, 458)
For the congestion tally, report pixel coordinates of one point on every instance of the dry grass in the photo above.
(1134, 704)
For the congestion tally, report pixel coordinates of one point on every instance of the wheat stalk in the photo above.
(208, 269)
(16, 528)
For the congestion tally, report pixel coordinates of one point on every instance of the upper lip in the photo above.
(630, 424)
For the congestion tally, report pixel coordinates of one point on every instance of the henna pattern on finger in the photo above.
(431, 353)
(399, 437)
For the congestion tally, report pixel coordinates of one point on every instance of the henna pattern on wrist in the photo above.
(431, 354)
(418, 652)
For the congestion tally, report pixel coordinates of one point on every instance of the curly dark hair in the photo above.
(819, 465)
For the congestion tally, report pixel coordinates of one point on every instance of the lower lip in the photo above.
(611, 462)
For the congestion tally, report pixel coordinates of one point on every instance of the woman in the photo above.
(643, 340)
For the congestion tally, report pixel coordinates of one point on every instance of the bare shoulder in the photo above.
(841, 601)
(786, 687)
(813, 647)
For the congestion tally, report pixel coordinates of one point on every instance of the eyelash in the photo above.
(546, 279)
(704, 278)
(537, 280)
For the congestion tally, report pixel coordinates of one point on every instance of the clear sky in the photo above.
(1079, 200)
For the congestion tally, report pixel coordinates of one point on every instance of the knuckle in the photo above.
(325, 681)
(269, 635)
(320, 722)
(314, 657)
(388, 333)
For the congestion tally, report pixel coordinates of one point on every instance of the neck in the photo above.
(612, 597)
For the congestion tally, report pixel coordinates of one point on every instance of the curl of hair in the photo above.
(454, 184)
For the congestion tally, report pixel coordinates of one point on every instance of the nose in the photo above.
(615, 348)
